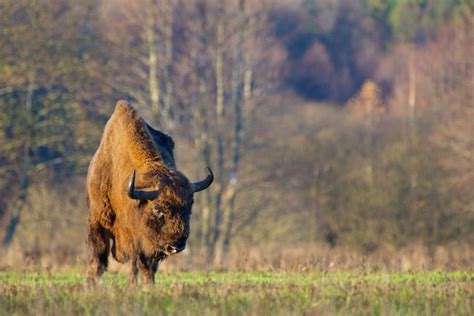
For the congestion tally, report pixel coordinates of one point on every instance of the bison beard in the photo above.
(139, 204)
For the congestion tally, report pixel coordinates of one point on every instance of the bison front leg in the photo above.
(99, 244)
(132, 277)
(148, 267)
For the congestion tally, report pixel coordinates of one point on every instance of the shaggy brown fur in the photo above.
(135, 230)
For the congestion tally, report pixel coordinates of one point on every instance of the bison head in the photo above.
(165, 211)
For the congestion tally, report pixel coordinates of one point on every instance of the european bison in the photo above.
(139, 204)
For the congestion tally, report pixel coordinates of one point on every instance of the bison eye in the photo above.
(157, 213)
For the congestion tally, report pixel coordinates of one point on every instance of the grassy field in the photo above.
(207, 293)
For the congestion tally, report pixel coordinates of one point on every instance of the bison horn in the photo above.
(204, 184)
(138, 194)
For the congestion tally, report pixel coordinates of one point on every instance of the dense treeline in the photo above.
(342, 122)
(342, 42)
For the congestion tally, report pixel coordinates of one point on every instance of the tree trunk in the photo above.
(203, 145)
(237, 98)
(219, 140)
(24, 176)
(168, 114)
(202, 138)
(153, 83)
(20, 201)
(412, 94)
(412, 111)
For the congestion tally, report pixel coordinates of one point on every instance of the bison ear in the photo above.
(169, 142)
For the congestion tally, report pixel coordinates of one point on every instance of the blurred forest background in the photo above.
(338, 130)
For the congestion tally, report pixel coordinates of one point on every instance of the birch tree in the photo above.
(233, 42)
(140, 34)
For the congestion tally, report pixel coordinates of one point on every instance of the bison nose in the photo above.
(181, 244)
(178, 247)
(174, 249)
(171, 249)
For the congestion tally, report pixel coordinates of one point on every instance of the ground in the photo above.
(256, 293)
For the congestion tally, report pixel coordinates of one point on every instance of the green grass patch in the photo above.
(209, 293)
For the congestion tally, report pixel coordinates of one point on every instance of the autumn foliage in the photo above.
(340, 126)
